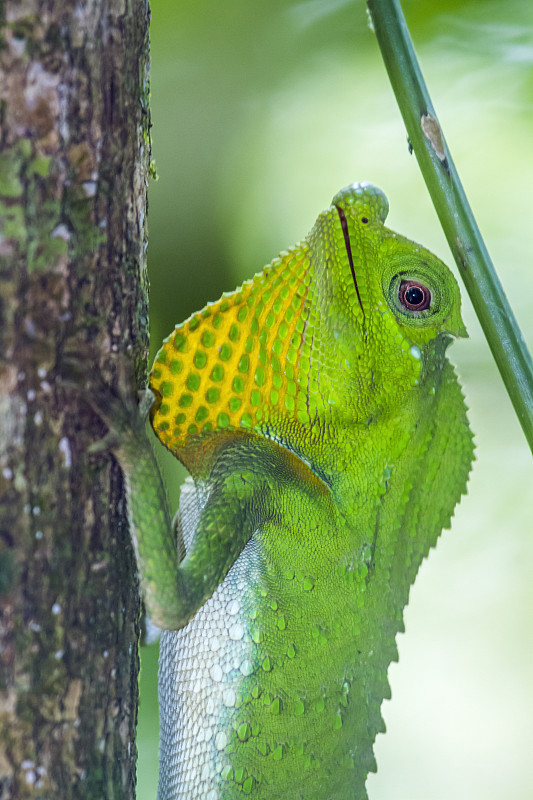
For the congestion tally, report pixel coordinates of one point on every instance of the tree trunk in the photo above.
(74, 161)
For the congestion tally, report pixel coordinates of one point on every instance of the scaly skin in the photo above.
(327, 438)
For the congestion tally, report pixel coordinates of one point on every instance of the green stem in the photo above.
(468, 248)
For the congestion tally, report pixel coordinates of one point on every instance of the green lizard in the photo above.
(327, 440)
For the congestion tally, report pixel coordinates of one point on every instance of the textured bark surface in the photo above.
(74, 162)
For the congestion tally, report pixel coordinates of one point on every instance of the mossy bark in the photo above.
(74, 162)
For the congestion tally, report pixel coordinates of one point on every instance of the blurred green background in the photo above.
(261, 112)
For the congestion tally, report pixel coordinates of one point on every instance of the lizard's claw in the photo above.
(107, 444)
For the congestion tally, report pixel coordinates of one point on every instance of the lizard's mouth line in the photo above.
(344, 226)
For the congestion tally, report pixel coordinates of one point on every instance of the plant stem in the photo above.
(475, 266)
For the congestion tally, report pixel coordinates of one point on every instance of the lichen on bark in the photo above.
(74, 164)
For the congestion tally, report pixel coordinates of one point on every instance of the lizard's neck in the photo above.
(368, 428)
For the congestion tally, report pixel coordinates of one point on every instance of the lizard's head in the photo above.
(338, 326)
(418, 289)
(391, 305)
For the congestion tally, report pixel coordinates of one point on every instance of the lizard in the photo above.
(326, 437)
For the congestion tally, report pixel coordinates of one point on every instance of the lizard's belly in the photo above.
(201, 673)
(259, 694)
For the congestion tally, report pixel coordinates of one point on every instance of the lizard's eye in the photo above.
(411, 299)
(414, 296)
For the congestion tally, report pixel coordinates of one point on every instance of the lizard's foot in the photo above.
(120, 413)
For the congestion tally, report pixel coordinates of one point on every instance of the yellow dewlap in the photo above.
(230, 365)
